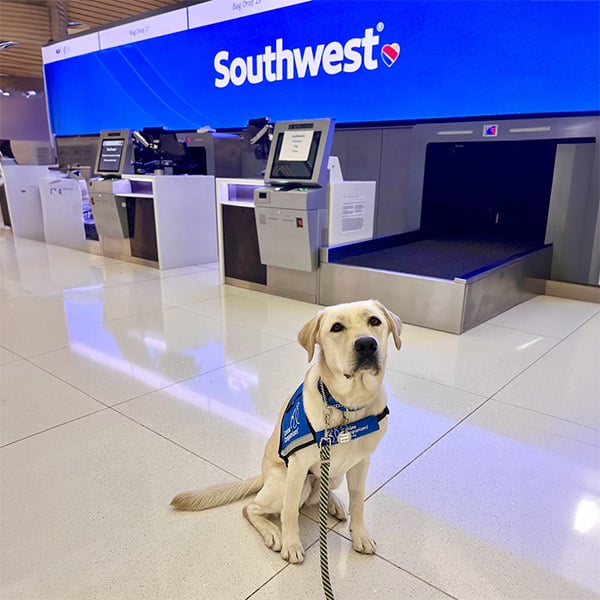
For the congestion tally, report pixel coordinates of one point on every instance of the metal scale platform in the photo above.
(448, 282)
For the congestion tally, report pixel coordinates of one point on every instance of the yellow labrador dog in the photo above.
(342, 399)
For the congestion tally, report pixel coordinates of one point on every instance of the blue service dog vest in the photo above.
(296, 431)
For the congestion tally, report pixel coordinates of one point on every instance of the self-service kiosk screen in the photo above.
(295, 154)
(110, 156)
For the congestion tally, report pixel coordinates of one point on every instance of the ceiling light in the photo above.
(4, 44)
(4, 93)
(30, 93)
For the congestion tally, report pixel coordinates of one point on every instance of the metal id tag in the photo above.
(344, 437)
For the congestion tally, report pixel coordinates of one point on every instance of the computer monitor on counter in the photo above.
(114, 153)
(299, 153)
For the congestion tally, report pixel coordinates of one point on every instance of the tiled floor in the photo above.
(122, 385)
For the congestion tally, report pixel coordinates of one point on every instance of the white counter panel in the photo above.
(185, 217)
(23, 197)
(62, 201)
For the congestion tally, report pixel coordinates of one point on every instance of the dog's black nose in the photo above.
(365, 347)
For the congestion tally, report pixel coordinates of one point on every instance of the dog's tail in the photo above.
(217, 495)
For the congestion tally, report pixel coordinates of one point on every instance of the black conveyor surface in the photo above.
(444, 257)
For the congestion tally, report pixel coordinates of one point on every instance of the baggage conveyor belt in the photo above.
(450, 281)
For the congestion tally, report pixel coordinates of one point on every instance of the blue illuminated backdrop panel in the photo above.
(355, 61)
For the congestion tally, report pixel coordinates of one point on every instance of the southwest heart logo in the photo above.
(390, 53)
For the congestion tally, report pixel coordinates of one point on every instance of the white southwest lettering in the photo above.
(283, 63)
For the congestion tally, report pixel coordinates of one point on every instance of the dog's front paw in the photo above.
(362, 542)
(272, 539)
(336, 507)
(293, 553)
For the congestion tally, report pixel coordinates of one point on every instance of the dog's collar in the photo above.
(331, 401)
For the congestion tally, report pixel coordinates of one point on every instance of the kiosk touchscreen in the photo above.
(114, 154)
(299, 153)
(291, 213)
(112, 160)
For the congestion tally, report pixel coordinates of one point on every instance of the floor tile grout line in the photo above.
(105, 405)
(436, 382)
(558, 342)
(180, 308)
(460, 422)
(150, 279)
(67, 383)
(166, 306)
(527, 331)
(386, 560)
(435, 587)
(584, 323)
(492, 397)
(19, 356)
(57, 426)
(545, 414)
(201, 374)
(142, 395)
(586, 320)
(404, 570)
(177, 444)
(420, 454)
(555, 345)
(537, 360)
(265, 583)
(106, 408)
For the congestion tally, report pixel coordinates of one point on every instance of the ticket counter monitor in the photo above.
(112, 161)
(291, 211)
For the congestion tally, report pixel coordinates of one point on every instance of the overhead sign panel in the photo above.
(217, 11)
(71, 47)
(383, 61)
(144, 29)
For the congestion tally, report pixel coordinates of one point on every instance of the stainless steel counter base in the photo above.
(454, 306)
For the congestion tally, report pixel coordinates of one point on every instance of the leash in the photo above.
(325, 452)
(325, 455)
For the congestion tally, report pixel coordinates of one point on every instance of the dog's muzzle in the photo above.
(366, 351)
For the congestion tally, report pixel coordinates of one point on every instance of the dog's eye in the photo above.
(337, 327)
(374, 322)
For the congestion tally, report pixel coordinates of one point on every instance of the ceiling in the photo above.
(34, 23)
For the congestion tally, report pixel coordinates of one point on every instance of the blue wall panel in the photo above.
(456, 59)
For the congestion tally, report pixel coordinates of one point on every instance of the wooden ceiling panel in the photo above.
(30, 22)
(93, 13)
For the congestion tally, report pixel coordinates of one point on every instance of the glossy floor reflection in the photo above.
(122, 385)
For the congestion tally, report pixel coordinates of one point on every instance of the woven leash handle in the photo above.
(325, 453)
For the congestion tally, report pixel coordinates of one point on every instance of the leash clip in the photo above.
(324, 441)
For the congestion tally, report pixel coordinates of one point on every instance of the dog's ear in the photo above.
(394, 323)
(307, 337)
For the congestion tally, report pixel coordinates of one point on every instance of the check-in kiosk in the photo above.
(291, 213)
(64, 193)
(113, 160)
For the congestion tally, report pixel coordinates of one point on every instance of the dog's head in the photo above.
(352, 338)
